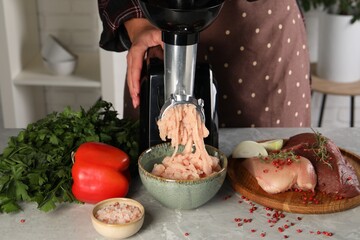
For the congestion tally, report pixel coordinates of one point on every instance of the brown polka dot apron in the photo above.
(258, 53)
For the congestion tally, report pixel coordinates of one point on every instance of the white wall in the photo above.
(74, 22)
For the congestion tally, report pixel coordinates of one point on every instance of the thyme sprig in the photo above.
(320, 149)
(284, 155)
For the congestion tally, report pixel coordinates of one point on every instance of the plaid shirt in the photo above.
(113, 14)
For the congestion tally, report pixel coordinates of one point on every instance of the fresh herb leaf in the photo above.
(7, 205)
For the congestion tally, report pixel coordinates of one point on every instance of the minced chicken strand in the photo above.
(118, 213)
(183, 125)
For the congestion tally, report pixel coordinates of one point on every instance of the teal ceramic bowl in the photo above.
(179, 194)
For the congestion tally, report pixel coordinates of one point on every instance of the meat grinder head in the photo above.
(180, 22)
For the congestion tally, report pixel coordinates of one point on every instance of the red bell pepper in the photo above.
(100, 171)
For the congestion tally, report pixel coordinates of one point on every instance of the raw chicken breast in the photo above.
(281, 175)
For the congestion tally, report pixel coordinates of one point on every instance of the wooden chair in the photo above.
(326, 87)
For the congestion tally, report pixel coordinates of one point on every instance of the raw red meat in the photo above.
(335, 173)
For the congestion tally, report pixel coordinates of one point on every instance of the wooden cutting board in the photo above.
(245, 184)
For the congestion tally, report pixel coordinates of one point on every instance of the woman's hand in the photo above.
(143, 35)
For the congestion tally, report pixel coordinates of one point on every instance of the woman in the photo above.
(257, 50)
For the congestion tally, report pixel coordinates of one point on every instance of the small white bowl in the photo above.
(61, 68)
(117, 231)
(55, 51)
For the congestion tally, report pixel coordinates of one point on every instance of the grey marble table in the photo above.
(218, 219)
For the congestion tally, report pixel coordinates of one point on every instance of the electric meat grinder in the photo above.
(178, 78)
